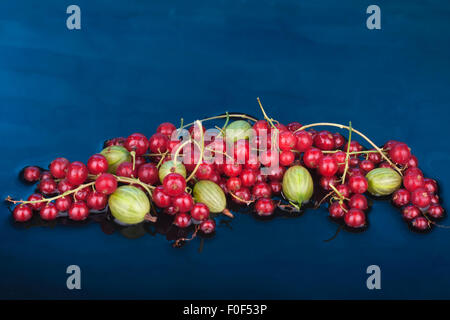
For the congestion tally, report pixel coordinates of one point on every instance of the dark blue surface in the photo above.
(137, 63)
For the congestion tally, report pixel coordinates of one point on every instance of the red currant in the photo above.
(97, 200)
(106, 183)
(324, 141)
(400, 153)
(204, 171)
(304, 141)
(183, 202)
(325, 182)
(182, 220)
(174, 184)
(97, 164)
(328, 166)
(286, 141)
(49, 212)
(410, 212)
(200, 211)
(64, 186)
(58, 167)
(78, 211)
(158, 143)
(420, 223)
(311, 157)
(242, 196)
(148, 173)
(208, 226)
(22, 213)
(276, 187)
(430, 185)
(358, 201)
(339, 140)
(294, 126)
(261, 126)
(82, 194)
(344, 190)
(160, 198)
(420, 198)
(31, 174)
(358, 184)
(412, 162)
(36, 197)
(355, 218)
(166, 128)
(375, 157)
(436, 211)
(48, 186)
(77, 173)
(261, 190)
(401, 197)
(413, 181)
(264, 207)
(287, 158)
(63, 203)
(367, 165)
(337, 210)
(232, 169)
(125, 169)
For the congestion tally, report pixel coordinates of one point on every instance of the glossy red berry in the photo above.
(48, 186)
(22, 213)
(436, 211)
(166, 128)
(311, 157)
(355, 218)
(183, 202)
(324, 140)
(420, 198)
(328, 166)
(358, 201)
(287, 158)
(31, 174)
(286, 140)
(410, 212)
(241, 151)
(125, 169)
(160, 198)
(434, 199)
(77, 173)
(344, 190)
(430, 185)
(261, 190)
(337, 210)
(400, 153)
(119, 141)
(339, 140)
(355, 146)
(241, 196)
(248, 178)
(82, 194)
(413, 181)
(208, 226)
(264, 207)
(367, 165)
(106, 183)
(294, 126)
(182, 220)
(269, 158)
(304, 141)
(234, 184)
(36, 197)
(97, 164)
(260, 127)
(58, 167)
(97, 200)
(358, 184)
(200, 211)
(158, 143)
(174, 184)
(375, 157)
(412, 162)
(138, 143)
(79, 211)
(384, 164)
(204, 171)
(64, 185)
(325, 182)
(49, 212)
(413, 171)
(276, 187)
(401, 197)
(63, 203)
(232, 169)
(420, 223)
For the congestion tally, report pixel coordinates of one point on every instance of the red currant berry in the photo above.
(208, 226)
(232, 169)
(436, 211)
(420, 223)
(430, 185)
(97, 200)
(58, 167)
(261, 190)
(328, 166)
(355, 146)
(22, 213)
(337, 210)
(324, 141)
(48, 186)
(388, 145)
(241, 151)
(286, 141)
(158, 143)
(261, 126)
(325, 182)
(82, 194)
(215, 177)
(234, 184)
(339, 140)
(358, 201)
(410, 212)
(139, 161)
(252, 163)
(171, 210)
(97, 164)
(174, 184)
(182, 220)
(138, 143)
(353, 162)
(344, 190)
(276, 187)
(412, 162)
(294, 126)
(401, 197)
(358, 184)
(248, 178)
(148, 173)
(77, 173)
(106, 183)
(63, 203)
(287, 158)
(384, 164)
(119, 141)
(264, 207)
(31, 174)
(160, 198)
(400, 153)
(434, 199)
(64, 186)
(166, 128)
(367, 165)
(78, 211)
(420, 198)
(375, 157)
(355, 218)
(311, 158)
(200, 211)
(242, 196)
(304, 141)
(183, 202)
(414, 171)
(125, 169)
(340, 158)
(269, 158)
(277, 173)
(49, 211)
(46, 175)
(36, 197)
(413, 182)
(204, 171)
(355, 172)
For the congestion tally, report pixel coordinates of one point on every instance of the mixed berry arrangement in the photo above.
(189, 176)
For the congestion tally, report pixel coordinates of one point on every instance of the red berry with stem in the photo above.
(171, 210)
(58, 167)
(355, 218)
(414, 171)
(31, 174)
(248, 177)
(48, 186)
(384, 164)
(339, 140)
(325, 182)
(182, 220)
(139, 161)
(37, 205)
(367, 165)
(375, 157)
(294, 126)
(241, 196)
(328, 166)
(63, 203)
(287, 158)
(355, 146)
(304, 141)
(215, 177)
(311, 157)
(261, 126)
(174, 184)
(79, 211)
(264, 207)
(64, 185)
(337, 209)
(436, 211)
(355, 172)
(46, 175)
(183, 202)
(106, 183)
(241, 151)
(412, 162)
(49, 211)
(125, 169)
(400, 153)
(286, 141)
(22, 213)
(413, 181)
(234, 184)
(401, 197)
(261, 190)
(358, 184)
(410, 212)
(324, 140)
(158, 143)
(353, 162)
(420, 223)
(281, 127)
(434, 199)
(276, 187)
(77, 173)
(232, 169)
(166, 128)
(97, 200)
(344, 190)
(204, 171)
(97, 164)
(82, 194)
(420, 198)
(388, 145)
(358, 201)
(208, 226)
(200, 211)
(160, 198)
(119, 141)
(252, 163)
(276, 173)
(430, 185)
(340, 157)
(148, 173)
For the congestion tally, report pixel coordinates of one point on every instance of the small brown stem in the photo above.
(228, 213)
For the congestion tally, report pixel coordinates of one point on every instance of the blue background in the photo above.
(136, 63)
